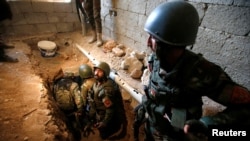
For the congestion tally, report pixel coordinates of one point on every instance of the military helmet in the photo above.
(85, 71)
(103, 66)
(174, 22)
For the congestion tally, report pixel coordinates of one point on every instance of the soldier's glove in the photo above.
(88, 130)
(195, 129)
(100, 125)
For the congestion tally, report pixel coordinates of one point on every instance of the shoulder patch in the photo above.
(240, 95)
(107, 102)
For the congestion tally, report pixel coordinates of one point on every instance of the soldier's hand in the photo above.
(100, 125)
(195, 130)
(88, 130)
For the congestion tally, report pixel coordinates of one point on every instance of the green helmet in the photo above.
(85, 71)
(103, 66)
(174, 22)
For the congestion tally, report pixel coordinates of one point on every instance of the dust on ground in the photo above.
(28, 110)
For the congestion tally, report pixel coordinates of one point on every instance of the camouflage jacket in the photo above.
(182, 89)
(105, 102)
(85, 87)
(67, 95)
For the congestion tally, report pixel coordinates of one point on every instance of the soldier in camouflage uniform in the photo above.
(86, 73)
(179, 78)
(92, 9)
(106, 105)
(68, 97)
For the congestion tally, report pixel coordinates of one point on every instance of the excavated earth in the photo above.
(28, 110)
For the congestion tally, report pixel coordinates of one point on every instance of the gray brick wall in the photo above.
(223, 35)
(32, 17)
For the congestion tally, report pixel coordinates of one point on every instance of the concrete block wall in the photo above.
(223, 36)
(32, 17)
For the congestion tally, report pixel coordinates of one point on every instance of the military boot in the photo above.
(99, 39)
(93, 37)
(6, 58)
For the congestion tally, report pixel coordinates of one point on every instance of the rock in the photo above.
(139, 56)
(118, 52)
(136, 74)
(121, 46)
(125, 64)
(108, 46)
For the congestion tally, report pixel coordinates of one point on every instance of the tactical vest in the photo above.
(171, 91)
(63, 90)
(108, 89)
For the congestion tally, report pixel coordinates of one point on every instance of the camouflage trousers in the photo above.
(93, 11)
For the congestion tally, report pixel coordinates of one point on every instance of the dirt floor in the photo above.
(28, 110)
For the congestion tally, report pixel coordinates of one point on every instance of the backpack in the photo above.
(63, 89)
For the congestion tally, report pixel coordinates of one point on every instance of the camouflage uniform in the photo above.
(180, 90)
(93, 11)
(87, 84)
(179, 78)
(106, 106)
(74, 102)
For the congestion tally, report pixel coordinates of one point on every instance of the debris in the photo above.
(109, 46)
(29, 112)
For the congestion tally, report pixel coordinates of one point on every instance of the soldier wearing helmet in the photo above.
(179, 78)
(67, 95)
(106, 105)
(92, 12)
(87, 76)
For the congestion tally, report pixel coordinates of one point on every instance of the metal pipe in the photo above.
(133, 92)
(114, 76)
(87, 54)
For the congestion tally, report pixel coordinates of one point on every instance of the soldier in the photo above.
(87, 76)
(107, 111)
(67, 95)
(5, 14)
(179, 78)
(92, 9)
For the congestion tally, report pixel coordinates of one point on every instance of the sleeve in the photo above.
(77, 97)
(84, 93)
(237, 100)
(224, 90)
(217, 85)
(212, 81)
(108, 101)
